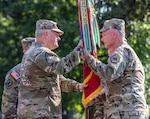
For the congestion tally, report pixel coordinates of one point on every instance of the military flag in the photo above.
(89, 32)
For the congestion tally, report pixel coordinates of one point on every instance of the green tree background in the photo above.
(18, 18)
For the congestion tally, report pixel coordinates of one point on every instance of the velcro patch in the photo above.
(9, 83)
(115, 59)
(15, 75)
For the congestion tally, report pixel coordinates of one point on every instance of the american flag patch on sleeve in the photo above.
(15, 75)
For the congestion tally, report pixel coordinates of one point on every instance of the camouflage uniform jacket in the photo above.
(125, 77)
(39, 90)
(10, 93)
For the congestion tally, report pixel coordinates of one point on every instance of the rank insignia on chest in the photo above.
(15, 75)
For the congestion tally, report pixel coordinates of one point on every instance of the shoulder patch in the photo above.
(9, 83)
(114, 58)
(15, 75)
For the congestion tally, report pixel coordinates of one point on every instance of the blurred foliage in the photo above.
(18, 18)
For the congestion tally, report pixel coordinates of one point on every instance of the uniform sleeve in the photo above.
(10, 97)
(50, 63)
(111, 71)
(68, 85)
(101, 69)
(118, 63)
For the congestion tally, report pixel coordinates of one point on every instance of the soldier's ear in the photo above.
(114, 33)
(46, 34)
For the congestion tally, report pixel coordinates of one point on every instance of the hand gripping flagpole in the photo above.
(89, 32)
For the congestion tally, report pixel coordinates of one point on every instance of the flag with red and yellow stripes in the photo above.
(89, 32)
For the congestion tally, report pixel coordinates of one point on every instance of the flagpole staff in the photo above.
(86, 113)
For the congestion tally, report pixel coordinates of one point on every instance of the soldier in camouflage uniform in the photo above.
(12, 79)
(41, 74)
(123, 72)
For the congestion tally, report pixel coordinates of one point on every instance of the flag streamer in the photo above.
(89, 32)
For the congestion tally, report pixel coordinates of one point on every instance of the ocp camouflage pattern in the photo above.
(125, 78)
(10, 95)
(39, 90)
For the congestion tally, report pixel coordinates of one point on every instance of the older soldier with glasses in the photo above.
(124, 74)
